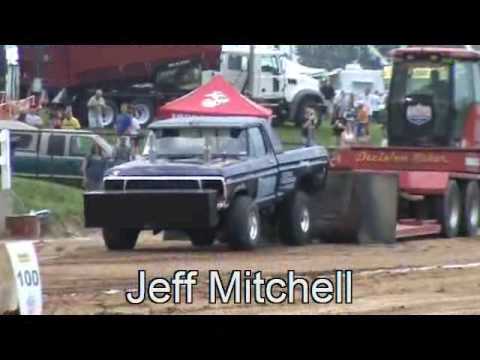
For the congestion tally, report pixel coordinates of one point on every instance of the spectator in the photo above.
(56, 118)
(96, 106)
(328, 93)
(30, 117)
(124, 122)
(363, 120)
(135, 131)
(93, 168)
(309, 126)
(370, 102)
(376, 105)
(123, 152)
(350, 116)
(70, 122)
(33, 118)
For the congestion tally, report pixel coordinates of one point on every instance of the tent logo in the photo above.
(215, 99)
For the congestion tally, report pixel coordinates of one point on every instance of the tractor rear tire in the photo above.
(243, 227)
(449, 211)
(120, 240)
(295, 222)
(471, 210)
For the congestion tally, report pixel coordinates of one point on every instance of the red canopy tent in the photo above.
(217, 98)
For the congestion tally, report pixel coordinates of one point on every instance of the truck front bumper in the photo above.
(166, 210)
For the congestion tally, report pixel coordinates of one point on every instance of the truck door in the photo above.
(270, 84)
(235, 70)
(26, 154)
(265, 163)
(464, 97)
(79, 147)
(55, 156)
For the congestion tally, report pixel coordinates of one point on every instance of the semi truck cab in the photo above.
(278, 86)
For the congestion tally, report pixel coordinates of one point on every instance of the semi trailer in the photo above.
(146, 75)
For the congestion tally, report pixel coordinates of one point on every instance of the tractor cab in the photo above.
(435, 98)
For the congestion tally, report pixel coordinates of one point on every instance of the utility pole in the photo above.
(251, 71)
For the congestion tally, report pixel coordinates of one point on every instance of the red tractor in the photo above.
(427, 181)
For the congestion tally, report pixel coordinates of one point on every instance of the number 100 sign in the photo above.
(24, 263)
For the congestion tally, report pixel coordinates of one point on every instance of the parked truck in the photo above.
(427, 181)
(214, 178)
(147, 76)
(284, 88)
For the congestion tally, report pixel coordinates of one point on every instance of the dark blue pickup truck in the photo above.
(214, 178)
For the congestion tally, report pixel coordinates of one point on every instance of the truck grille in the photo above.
(162, 185)
(165, 184)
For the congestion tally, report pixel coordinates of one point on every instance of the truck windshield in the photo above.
(419, 104)
(416, 78)
(193, 142)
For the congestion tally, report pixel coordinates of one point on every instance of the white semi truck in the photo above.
(279, 83)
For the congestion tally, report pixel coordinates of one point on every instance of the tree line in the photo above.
(332, 57)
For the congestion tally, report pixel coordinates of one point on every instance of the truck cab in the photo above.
(435, 98)
(278, 85)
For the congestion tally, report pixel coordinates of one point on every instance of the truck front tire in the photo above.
(243, 227)
(295, 220)
(120, 240)
(145, 109)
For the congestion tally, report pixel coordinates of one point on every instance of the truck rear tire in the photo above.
(471, 210)
(145, 109)
(449, 209)
(202, 238)
(243, 227)
(120, 239)
(295, 220)
(110, 114)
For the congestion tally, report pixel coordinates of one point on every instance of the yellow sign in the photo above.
(400, 158)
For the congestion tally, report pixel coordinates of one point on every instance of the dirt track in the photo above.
(81, 277)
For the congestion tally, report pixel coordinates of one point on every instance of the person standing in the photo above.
(96, 106)
(124, 122)
(363, 120)
(56, 119)
(350, 117)
(370, 101)
(123, 152)
(376, 104)
(70, 122)
(93, 168)
(328, 93)
(309, 126)
(135, 131)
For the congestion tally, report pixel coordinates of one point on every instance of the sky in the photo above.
(12, 54)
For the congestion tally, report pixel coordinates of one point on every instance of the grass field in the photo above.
(291, 136)
(65, 202)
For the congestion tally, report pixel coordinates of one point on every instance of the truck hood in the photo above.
(173, 168)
